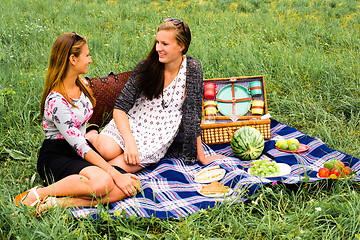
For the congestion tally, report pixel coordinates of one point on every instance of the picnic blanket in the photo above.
(169, 189)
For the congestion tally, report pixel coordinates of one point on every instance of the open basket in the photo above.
(235, 108)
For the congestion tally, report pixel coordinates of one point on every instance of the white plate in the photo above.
(285, 169)
(216, 170)
(216, 195)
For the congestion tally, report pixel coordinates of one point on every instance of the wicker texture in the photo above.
(222, 133)
(106, 90)
(222, 130)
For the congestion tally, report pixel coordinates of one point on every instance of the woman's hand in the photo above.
(209, 159)
(131, 153)
(206, 160)
(127, 182)
(201, 155)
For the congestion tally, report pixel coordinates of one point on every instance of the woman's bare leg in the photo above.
(106, 146)
(91, 182)
(115, 195)
(112, 152)
(92, 186)
(120, 162)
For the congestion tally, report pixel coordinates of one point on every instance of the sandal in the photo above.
(19, 199)
(91, 127)
(47, 204)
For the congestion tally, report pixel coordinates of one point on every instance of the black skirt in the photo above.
(57, 160)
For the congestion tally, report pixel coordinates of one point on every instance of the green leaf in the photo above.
(15, 154)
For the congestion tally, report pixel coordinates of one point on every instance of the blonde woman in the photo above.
(76, 173)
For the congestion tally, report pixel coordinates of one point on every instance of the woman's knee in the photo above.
(102, 185)
(99, 182)
(93, 138)
(107, 147)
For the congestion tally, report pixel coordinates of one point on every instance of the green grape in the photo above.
(264, 168)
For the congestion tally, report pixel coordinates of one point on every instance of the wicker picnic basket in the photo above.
(237, 113)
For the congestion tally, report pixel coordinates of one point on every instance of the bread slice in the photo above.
(210, 174)
(214, 188)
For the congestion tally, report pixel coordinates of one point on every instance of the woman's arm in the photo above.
(131, 154)
(201, 155)
(125, 182)
(198, 109)
(200, 150)
(129, 93)
(123, 104)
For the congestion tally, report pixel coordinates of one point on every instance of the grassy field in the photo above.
(307, 50)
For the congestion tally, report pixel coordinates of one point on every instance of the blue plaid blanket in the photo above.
(169, 190)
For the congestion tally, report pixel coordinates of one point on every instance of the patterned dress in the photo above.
(153, 125)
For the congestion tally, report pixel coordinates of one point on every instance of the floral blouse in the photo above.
(63, 121)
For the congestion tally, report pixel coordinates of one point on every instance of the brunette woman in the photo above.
(158, 112)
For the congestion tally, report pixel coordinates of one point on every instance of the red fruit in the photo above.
(323, 172)
(335, 171)
(347, 170)
(339, 164)
(341, 171)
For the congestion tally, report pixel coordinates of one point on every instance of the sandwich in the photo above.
(210, 174)
(214, 188)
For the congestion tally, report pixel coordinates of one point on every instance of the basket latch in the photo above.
(233, 79)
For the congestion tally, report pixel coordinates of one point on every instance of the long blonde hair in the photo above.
(58, 66)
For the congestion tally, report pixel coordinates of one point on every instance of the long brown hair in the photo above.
(151, 82)
(58, 66)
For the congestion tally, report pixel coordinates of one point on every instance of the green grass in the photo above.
(308, 52)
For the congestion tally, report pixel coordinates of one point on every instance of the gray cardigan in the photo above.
(184, 145)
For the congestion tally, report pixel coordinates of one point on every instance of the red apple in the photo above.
(335, 171)
(323, 172)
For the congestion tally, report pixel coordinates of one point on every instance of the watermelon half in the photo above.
(247, 143)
